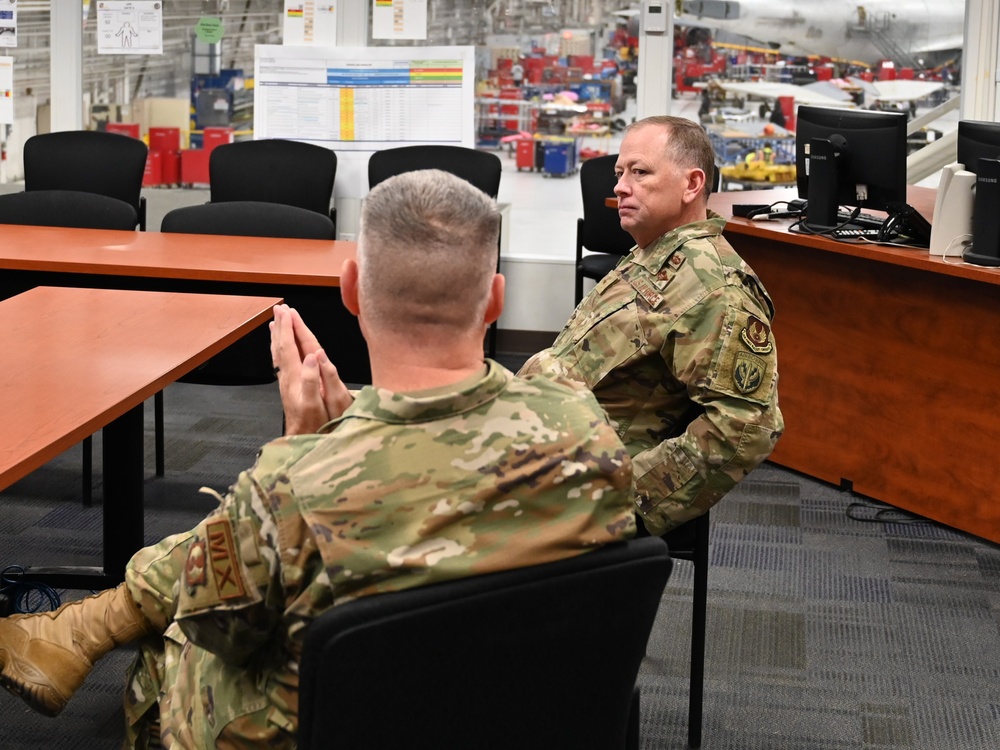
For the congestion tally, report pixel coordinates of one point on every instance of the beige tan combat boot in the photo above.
(45, 657)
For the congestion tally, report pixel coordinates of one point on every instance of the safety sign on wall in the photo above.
(130, 28)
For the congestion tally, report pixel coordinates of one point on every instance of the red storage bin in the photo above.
(170, 167)
(194, 166)
(164, 139)
(213, 137)
(130, 129)
(526, 154)
(153, 173)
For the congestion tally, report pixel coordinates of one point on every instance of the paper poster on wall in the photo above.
(399, 19)
(129, 28)
(307, 22)
(8, 23)
(6, 90)
(364, 99)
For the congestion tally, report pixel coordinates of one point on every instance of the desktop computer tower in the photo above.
(985, 250)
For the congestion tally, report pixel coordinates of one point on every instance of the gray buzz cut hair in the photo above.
(427, 251)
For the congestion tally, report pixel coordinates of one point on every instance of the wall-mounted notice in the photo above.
(365, 98)
(399, 19)
(125, 28)
(309, 22)
(6, 90)
(8, 24)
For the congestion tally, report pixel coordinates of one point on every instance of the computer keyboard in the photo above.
(856, 233)
(865, 221)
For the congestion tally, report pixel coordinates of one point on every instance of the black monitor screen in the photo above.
(849, 157)
(977, 140)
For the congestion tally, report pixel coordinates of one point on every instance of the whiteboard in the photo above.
(365, 99)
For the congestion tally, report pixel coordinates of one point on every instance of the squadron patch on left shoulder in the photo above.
(744, 362)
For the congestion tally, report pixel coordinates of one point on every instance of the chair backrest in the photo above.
(66, 208)
(478, 167)
(249, 219)
(539, 657)
(273, 171)
(89, 161)
(600, 230)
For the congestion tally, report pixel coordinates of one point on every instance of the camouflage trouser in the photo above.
(196, 699)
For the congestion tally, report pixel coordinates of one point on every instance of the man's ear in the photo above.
(349, 286)
(495, 305)
(695, 184)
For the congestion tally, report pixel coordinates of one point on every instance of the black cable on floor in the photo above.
(871, 511)
(26, 596)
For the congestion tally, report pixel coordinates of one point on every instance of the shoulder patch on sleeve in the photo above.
(745, 363)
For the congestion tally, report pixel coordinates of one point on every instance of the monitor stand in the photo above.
(821, 211)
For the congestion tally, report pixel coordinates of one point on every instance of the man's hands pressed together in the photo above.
(312, 392)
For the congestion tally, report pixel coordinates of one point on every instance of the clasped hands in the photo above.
(312, 392)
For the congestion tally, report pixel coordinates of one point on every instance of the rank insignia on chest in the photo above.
(748, 372)
(757, 336)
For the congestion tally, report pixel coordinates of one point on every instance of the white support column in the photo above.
(66, 65)
(981, 61)
(654, 79)
(352, 23)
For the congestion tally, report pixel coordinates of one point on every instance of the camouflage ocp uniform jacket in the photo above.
(676, 344)
(403, 490)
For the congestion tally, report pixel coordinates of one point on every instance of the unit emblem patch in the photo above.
(194, 569)
(757, 336)
(748, 372)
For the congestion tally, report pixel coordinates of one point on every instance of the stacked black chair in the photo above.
(478, 167)
(273, 170)
(89, 161)
(599, 231)
(69, 208)
(247, 361)
(534, 658)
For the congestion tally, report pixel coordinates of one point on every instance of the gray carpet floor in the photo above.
(824, 632)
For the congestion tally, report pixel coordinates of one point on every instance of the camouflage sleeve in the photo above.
(230, 593)
(722, 349)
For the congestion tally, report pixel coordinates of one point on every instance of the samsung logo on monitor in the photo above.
(987, 179)
(817, 157)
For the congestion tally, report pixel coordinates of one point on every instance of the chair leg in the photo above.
(632, 733)
(87, 490)
(158, 432)
(698, 622)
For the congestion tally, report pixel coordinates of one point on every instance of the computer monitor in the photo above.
(849, 157)
(979, 152)
(977, 140)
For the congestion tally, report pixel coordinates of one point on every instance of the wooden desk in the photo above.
(305, 273)
(78, 360)
(889, 366)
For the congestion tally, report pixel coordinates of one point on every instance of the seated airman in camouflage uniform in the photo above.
(447, 466)
(676, 341)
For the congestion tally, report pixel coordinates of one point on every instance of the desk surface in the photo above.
(921, 199)
(76, 359)
(174, 256)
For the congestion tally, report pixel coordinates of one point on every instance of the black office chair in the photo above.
(69, 208)
(89, 161)
(66, 208)
(690, 542)
(535, 658)
(478, 167)
(247, 361)
(599, 231)
(273, 170)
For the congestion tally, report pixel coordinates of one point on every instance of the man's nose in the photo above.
(621, 186)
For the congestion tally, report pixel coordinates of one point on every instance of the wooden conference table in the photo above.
(889, 365)
(78, 360)
(305, 273)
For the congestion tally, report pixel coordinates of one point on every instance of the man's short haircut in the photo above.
(427, 251)
(688, 144)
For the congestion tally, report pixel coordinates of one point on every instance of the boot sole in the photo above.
(27, 693)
